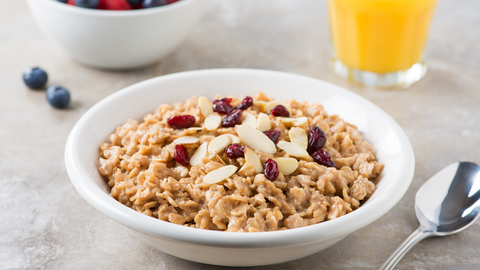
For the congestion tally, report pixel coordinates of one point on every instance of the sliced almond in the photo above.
(286, 165)
(219, 143)
(205, 105)
(255, 139)
(293, 149)
(299, 121)
(219, 174)
(249, 120)
(287, 120)
(263, 122)
(234, 138)
(299, 137)
(272, 104)
(220, 159)
(196, 128)
(212, 122)
(261, 105)
(199, 154)
(251, 156)
(186, 140)
(210, 155)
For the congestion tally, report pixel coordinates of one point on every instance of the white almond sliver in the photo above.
(287, 120)
(196, 128)
(186, 140)
(199, 154)
(219, 143)
(286, 165)
(255, 139)
(263, 122)
(272, 104)
(261, 105)
(205, 105)
(220, 159)
(249, 120)
(292, 149)
(251, 156)
(234, 138)
(300, 121)
(299, 137)
(212, 122)
(219, 174)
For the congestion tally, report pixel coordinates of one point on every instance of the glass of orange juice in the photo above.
(380, 43)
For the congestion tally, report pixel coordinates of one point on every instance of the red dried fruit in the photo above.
(181, 121)
(316, 139)
(222, 107)
(223, 100)
(273, 134)
(181, 155)
(247, 102)
(234, 151)
(232, 119)
(280, 110)
(322, 157)
(271, 169)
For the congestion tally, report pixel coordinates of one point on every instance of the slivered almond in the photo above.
(199, 154)
(272, 104)
(292, 149)
(299, 137)
(288, 121)
(251, 156)
(249, 120)
(286, 165)
(186, 140)
(212, 122)
(196, 128)
(205, 105)
(220, 159)
(255, 139)
(234, 138)
(299, 121)
(261, 105)
(219, 143)
(263, 122)
(219, 174)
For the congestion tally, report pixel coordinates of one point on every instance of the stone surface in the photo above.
(44, 224)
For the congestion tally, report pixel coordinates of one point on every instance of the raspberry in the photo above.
(181, 121)
(114, 5)
(273, 134)
(234, 151)
(232, 119)
(271, 169)
(316, 139)
(322, 157)
(181, 155)
(247, 102)
(280, 110)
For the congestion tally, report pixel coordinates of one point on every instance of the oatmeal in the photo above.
(242, 165)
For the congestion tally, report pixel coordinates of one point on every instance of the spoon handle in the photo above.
(417, 236)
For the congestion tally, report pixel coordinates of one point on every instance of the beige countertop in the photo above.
(45, 224)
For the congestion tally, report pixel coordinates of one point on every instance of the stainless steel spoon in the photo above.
(447, 203)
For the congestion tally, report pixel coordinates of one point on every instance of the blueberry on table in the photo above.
(63, 1)
(58, 96)
(87, 3)
(134, 2)
(35, 78)
(154, 3)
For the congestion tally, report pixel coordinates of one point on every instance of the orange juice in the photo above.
(380, 36)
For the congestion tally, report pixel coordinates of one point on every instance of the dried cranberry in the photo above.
(322, 157)
(181, 155)
(235, 151)
(222, 108)
(271, 169)
(232, 118)
(223, 100)
(280, 110)
(247, 102)
(181, 121)
(273, 134)
(316, 139)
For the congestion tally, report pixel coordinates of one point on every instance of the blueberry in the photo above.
(62, 1)
(35, 78)
(135, 2)
(86, 3)
(154, 3)
(58, 96)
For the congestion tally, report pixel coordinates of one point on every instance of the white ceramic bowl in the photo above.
(117, 39)
(228, 248)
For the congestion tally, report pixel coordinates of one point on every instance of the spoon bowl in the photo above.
(447, 203)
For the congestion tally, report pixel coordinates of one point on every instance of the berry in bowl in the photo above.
(280, 179)
(113, 37)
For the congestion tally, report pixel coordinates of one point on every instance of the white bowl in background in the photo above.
(232, 248)
(117, 39)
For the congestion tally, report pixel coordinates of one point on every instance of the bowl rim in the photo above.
(342, 226)
(115, 13)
